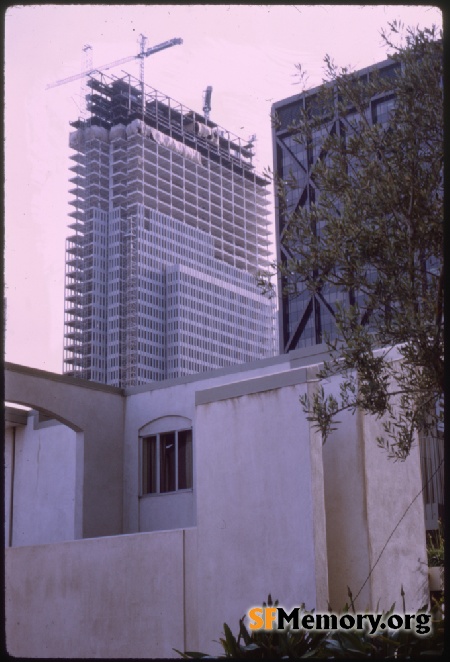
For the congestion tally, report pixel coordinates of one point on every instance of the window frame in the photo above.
(145, 455)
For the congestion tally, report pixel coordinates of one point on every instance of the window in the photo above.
(167, 462)
(382, 110)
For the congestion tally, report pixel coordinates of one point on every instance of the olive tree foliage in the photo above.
(376, 233)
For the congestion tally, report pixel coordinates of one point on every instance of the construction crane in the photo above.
(207, 102)
(141, 55)
(87, 65)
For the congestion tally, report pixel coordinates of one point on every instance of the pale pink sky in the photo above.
(247, 53)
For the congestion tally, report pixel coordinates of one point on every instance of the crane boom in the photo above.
(160, 47)
(116, 63)
(105, 67)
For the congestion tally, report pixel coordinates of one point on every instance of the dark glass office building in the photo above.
(304, 319)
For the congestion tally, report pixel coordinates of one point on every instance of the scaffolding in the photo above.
(83, 278)
(129, 158)
(130, 350)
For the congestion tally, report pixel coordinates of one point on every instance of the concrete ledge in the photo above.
(65, 379)
(250, 386)
(14, 416)
(294, 359)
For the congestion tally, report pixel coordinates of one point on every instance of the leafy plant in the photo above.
(263, 644)
(374, 236)
(435, 547)
(356, 644)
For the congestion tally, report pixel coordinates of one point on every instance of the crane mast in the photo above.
(87, 64)
(207, 102)
(142, 56)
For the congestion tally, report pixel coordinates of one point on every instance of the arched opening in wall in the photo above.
(44, 457)
(166, 474)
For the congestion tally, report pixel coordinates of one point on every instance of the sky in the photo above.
(247, 53)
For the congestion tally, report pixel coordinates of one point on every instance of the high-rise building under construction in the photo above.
(170, 226)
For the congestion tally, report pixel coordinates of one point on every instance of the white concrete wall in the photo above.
(394, 499)
(366, 496)
(159, 512)
(275, 511)
(346, 508)
(96, 411)
(174, 399)
(171, 403)
(44, 483)
(255, 497)
(254, 507)
(174, 510)
(118, 597)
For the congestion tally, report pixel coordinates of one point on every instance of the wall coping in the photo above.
(298, 357)
(64, 379)
(284, 362)
(252, 386)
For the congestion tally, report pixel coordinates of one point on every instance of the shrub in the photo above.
(298, 644)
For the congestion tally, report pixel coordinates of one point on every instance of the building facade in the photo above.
(144, 518)
(170, 228)
(306, 319)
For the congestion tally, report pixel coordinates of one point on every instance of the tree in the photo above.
(375, 233)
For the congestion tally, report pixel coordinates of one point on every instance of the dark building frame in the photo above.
(305, 319)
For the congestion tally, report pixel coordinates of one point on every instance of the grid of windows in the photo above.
(150, 196)
(194, 312)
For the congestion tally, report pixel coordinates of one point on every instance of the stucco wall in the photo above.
(275, 512)
(44, 484)
(144, 514)
(366, 496)
(158, 512)
(254, 507)
(174, 399)
(123, 596)
(346, 507)
(258, 491)
(395, 501)
(176, 510)
(95, 410)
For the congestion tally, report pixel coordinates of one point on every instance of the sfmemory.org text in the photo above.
(268, 618)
